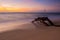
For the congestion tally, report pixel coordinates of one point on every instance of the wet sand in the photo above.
(30, 31)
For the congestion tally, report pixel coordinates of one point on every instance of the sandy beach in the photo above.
(29, 31)
(29, 19)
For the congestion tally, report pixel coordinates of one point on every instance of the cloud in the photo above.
(30, 5)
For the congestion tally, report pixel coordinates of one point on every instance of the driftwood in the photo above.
(43, 20)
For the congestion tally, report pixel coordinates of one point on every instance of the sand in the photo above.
(30, 31)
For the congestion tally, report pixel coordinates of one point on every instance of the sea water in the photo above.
(20, 16)
(11, 20)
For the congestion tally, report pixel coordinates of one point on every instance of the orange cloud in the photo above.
(11, 9)
(26, 8)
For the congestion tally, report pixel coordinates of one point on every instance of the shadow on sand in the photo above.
(57, 25)
(38, 25)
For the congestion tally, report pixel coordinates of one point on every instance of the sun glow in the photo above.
(10, 8)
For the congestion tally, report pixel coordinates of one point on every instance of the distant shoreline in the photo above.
(29, 12)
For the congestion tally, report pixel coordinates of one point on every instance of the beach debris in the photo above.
(45, 20)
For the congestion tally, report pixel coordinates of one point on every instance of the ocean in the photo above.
(14, 20)
(20, 16)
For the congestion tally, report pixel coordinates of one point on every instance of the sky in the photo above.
(29, 5)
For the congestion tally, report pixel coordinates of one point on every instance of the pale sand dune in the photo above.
(32, 32)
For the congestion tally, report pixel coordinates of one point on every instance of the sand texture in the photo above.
(31, 31)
